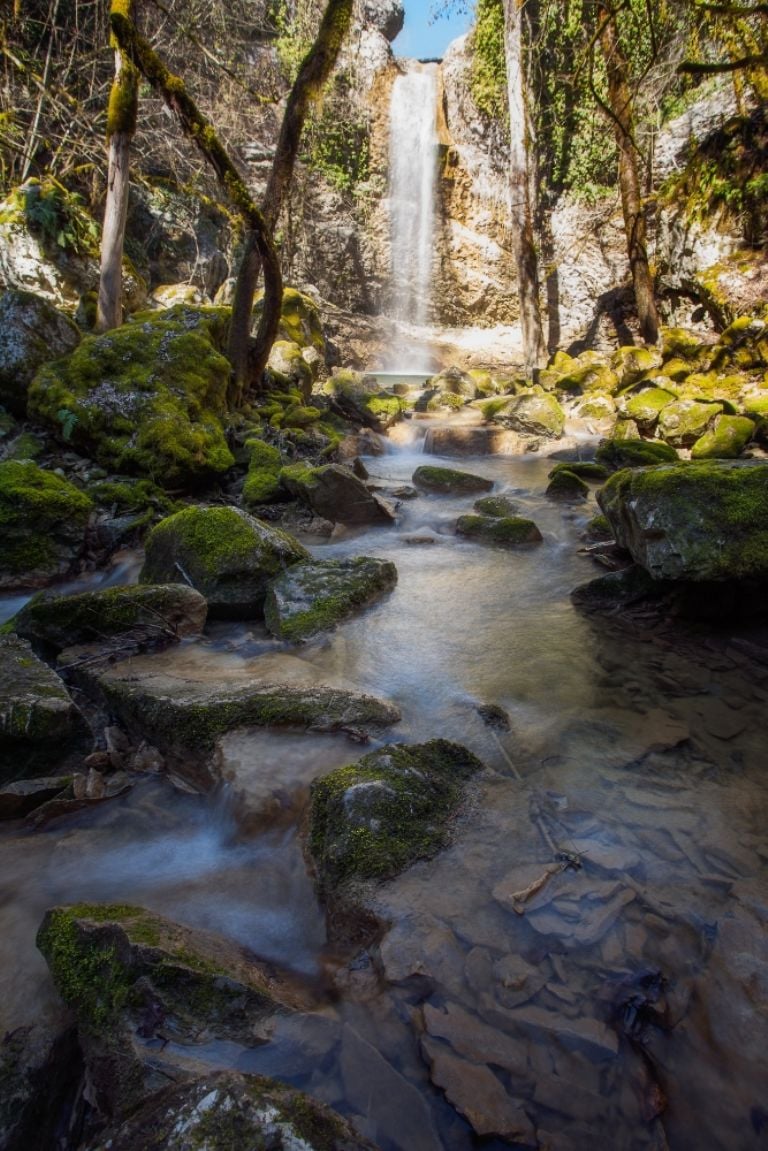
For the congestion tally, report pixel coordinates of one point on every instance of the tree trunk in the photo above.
(620, 105)
(520, 182)
(198, 129)
(314, 71)
(121, 126)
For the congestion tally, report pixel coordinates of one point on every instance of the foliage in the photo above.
(488, 75)
(338, 147)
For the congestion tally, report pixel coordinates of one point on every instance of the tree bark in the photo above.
(121, 126)
(314, 71)
(520, 182)
(620, 105)
(200, 131)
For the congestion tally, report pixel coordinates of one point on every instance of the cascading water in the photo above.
(412, 174)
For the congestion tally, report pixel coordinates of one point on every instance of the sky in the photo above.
(426, 37)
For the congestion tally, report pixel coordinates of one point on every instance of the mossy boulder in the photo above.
(565, 485)
(503, 531)
(726, 440)
(224, 553)
(130, 975)
(586, 469)
(645, 407)
(449, 481)
(43, 524)
(598, 530)
(456, 382)
(41, 729)
(32, 331)
(225, 1111)
(155, 615)
(362, 400)
(335, 493)
(262, 483)
(699, 521)
(146, 398)
(682, 423)
(496, 506)
(596, 407)
(299, 320)
(315, 596)
(618, 454)
(632, 364)
(287, 368)
(371, 820)
(537, 413)
(679, 343)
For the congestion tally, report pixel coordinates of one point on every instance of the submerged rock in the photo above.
(504, 531)
(449, 481)
(496, 506)
(702, 521)
(41, 729)
(224, 553)
(682, 422)
(262, 483)
(336, 494)
(314, 596)
(32, 331)
(43, 521)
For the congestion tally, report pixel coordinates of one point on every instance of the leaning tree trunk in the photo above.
(314, 71)
(121, 126)
(200, 131)
(620, 106)
(521, 214)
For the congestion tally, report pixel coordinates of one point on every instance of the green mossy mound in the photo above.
(598, 530)
(146, 398)
(565, 485)
(299, 320)
(585, 469)
(374, 818)
(496, 506)
(224, 553)
(315, 596)
(449, 481)
(726, 440)
(336, 494)
(632, 453)
(698, 521)
(43, 521)
(362, 400)
(682, 423)
(538, 413)
(160, 615)
(32, 331)
(262, 484)
(617, 590)
(504, 531)
(632, 364)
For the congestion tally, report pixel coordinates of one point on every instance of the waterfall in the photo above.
(412, 175)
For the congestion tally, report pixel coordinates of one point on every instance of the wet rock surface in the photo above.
(312, 597)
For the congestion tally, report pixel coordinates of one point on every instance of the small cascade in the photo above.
(412, 177)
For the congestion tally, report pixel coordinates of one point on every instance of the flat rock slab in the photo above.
(315, 596)
(465, 441)
(449, 481)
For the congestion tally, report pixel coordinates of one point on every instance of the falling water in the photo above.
(412, 170)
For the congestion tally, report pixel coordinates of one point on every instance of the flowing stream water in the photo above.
(626, 1007)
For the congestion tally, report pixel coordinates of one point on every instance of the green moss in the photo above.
(566, 485)
(446, 400)
(505, 530)
(445, 481)
(315, 596)
(586, 469)
(598, 529)
(726, 440)
(645, 407)
(27, 446)
(129, 495)
(616, 454)
(495, 506)
(41, 519)
(492, 408)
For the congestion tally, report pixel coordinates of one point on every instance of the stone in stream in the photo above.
(472, 441)
(130, 976)
(314, 596)
(496, 506)
(537, 413)
(449, 481)
(224, 553)
(567, 486)
(335, 493)
(41, 729)
(503, 531)
(225, 1111)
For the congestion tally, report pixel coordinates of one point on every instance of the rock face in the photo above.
(336, 494)
(158, 615)
(41, 729)
(146, 397)
(230, 1112)
(702, 521)
(314, 596)
(224, 553)
(43, 521)
(31, 332)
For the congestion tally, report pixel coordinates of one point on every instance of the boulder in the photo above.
(43, 522)
(449, 481)
(496, 506)
(617, 453)
(645, 406)
(362, 400)
(682, 422)
(145, 398)
(224, 553)
(726, 440)
(315, 596)
(32, 331)
(538, 414)
(153, 614)
(455, 382)
(504, 531)
(336, 494)
(41, 729)
(617, 590)
(225, 1111)
(702, 521)
(566, 485)
(131, 976)
(471, 441)
(288, 368)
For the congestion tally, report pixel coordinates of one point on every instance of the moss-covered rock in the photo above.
(129, 974)
(596, 407)
(618, 454)
(157, 615)
(262, 483)
(335, 493)
(503, 531)
(726, 440)
(299, 320)
(362, 400)
(496, 506)
(145, 398)
(445, 401)
(537, 413)
(43, 522)
(315, 596)
(41, 729)
(679, 343)
(449, 481)
(32, 331)
(625, 429)
(224, 553)
(565, 485)
(632, 364)
(598, 530)
(288, 368)
(699, 521)
(586, 469)
(645, 406)
(682, 422)
(455, 381)
(374, 818)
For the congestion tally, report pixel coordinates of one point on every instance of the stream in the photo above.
(626, 1007)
